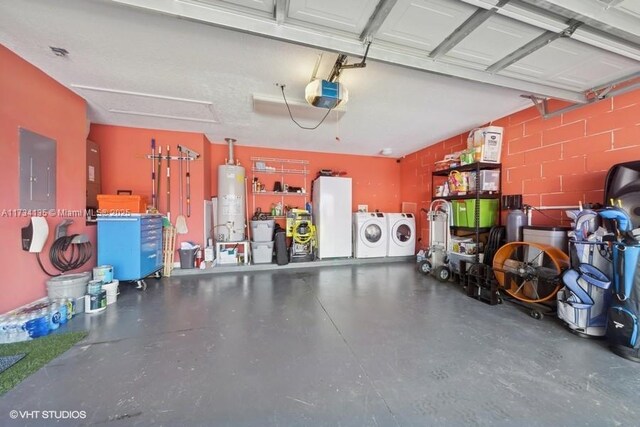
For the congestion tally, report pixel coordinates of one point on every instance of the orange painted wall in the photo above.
(376, 180)
(124, 165)
(33, 100)
(558, 161)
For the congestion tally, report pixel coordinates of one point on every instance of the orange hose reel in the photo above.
(532, 275)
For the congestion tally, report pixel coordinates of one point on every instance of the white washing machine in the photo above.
(369, 235)
(402, 234)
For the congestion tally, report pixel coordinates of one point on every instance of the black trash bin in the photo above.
(188, 258)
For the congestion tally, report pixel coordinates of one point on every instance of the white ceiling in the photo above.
(203, 73)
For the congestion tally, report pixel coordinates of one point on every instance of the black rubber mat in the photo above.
(8, 361)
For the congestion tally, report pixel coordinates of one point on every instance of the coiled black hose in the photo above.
(79, 254)
(496, 237)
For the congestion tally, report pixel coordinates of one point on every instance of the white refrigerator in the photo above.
(332, 216)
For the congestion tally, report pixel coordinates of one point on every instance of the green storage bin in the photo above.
(488, 212)
(460, 218)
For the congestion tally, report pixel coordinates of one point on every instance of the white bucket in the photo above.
(112, 291)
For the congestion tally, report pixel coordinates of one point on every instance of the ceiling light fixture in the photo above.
(386, 151)
(59, 51)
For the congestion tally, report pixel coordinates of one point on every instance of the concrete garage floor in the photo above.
(350, 346)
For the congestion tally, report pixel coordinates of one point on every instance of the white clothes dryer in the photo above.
(402, 234)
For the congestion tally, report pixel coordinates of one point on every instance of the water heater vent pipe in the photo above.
(230, 141)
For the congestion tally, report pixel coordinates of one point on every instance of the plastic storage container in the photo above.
(262, 252)
(489, 180)
(488, 212)
(554, 236)
(262, 231)
(459, 212)
(131, 203)
(69, 286)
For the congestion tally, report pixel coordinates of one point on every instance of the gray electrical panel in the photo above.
(37, 171)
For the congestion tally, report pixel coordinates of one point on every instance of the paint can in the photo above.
(104, 273)
(94, 287)
(95, 303)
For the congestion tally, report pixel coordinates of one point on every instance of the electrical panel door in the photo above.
(37, 171)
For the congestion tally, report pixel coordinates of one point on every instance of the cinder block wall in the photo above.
(558, 161)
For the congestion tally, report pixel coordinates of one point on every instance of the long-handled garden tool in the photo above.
(154, 201)
(158, 176)
(181, 221)
(168, 183)
(189, 187)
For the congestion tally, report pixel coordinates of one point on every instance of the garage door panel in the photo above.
(351, 16)
(493, 40)
(260, 5)
(631, 7)
(568, 63)
(423, 24)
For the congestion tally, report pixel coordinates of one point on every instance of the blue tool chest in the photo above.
(131, 244)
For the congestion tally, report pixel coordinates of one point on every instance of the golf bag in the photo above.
(583, 302)
(585, 248)
(622, 189)
(623, 328)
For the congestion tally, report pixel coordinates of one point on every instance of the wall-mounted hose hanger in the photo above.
(68, 252)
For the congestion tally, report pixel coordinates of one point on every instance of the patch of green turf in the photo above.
(39, 352)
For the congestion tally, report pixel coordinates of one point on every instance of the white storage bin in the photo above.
(262, 252)
(262, 231)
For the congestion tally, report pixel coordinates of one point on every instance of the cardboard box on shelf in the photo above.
(487, 144)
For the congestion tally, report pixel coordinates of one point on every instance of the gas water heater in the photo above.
(231, 200)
